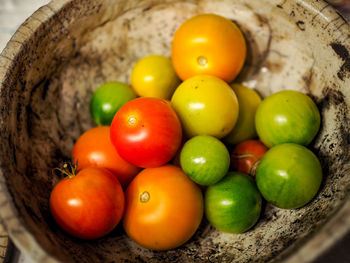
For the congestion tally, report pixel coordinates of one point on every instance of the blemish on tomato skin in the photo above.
(224, 129)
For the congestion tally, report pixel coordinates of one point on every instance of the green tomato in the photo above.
(205, 159)
(233, 205)
(154, 76)
(289, 175)
(287, 116)
(248, 101)
(206, 105)
(108, 99)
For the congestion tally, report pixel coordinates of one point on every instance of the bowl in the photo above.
(66, 49)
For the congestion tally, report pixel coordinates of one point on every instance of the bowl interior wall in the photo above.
(90, 42)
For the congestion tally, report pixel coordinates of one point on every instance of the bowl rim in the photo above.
(336, 227)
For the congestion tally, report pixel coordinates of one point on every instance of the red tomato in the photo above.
(246, 155)
(88, 205)
(146, 132)
(164, 208)
(95, 149)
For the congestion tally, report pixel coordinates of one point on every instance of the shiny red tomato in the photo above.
(146, 132)
(89, 204)
(246, 155)
(95, 149)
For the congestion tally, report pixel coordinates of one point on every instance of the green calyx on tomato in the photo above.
(108, 99)
(289, 175)
(68, 169)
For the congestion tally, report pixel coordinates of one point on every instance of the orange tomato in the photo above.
(208, 44)
(95, 149)
(163, 208)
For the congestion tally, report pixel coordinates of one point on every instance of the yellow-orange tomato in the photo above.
(163, 208)
(208, 44)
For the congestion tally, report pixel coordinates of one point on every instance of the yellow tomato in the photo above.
(244, 129)
(154, 76)
(206, 105)
(208, 44)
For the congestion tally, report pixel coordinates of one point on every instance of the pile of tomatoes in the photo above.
(183, 141)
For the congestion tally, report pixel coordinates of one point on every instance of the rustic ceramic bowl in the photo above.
(65, 50)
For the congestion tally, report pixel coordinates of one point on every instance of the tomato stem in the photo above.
(252, 171)
(202, 61)
(68, 170)
(132, 120)
(144, 197)
(243, 156)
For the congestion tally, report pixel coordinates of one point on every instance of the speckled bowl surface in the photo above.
(64, 51)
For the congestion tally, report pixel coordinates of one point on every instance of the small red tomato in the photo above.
(95, 149)
(88, 205)
(245, 156)
(146, 132)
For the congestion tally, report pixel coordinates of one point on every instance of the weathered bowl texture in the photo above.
(66, 49)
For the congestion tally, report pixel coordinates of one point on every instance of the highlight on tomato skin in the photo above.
(146, 132)
(89, 204)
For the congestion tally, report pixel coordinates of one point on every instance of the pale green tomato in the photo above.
(287, 116)
(205, 159)
(248, 100)
(289, 175)
(154, 76)
(206, 105)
